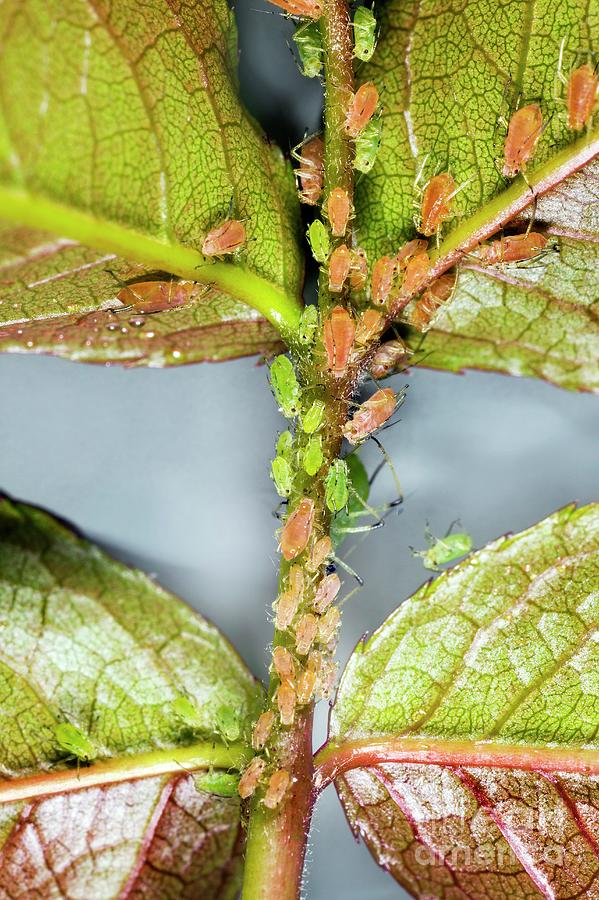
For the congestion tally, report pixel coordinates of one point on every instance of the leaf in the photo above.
(464, 734)
(122, 130)
(86, 641)
(449, 75)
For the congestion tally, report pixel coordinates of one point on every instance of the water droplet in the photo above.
(137, 322)
(149, 334)
(124, 330)
(112, 326)
(176, 354)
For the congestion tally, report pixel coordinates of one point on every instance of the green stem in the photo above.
(282, 310)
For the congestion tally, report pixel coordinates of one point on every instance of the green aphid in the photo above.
(74, 742)
(313, 418)
(281, 475)
(364, 33)
(285, 386)
(367, 145)
(187, 712)
(309, 48)
(285, 446)
(308, 325)
(359, 489)
(318, 238)
(337, 486)
(313, 458)
(444, 550)
(228, 723)
(222, 784)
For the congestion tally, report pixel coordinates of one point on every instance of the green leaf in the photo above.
(464, 734)
(448, 76)
(121, 129)
(89, 643)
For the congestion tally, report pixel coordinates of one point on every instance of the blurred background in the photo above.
(168, 470)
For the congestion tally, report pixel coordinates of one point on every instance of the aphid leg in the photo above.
(346, 568)
(349, 596)
(389, 462)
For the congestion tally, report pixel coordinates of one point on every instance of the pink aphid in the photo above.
(262, 729)
(326, 592)
(358, 272)
(524, 131)
(305, 633)
(306, 685)
(389, 357)
(340, 262)
(156, 296)
(298, 529)
(370, 415)
(310, 172)
(277, 788)
(381, 283)
(286, 703)
(338, 209)
(369, 326)
(582, 94)
(250, 778)
(328, 625)
(321, 551)
(361, 109)
(408, 251)
(338, 338)
(284, 664)
(309, 9)
(226, 238)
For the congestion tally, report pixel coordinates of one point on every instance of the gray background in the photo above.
(168, 470)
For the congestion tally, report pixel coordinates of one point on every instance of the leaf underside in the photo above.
(501, 649)
(133, 116)
(448, 75)
(86, 640)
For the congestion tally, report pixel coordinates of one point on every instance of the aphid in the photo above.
(336, 486)
(328, 625)
(262, 729)
(327, 678)
(250, 778)
(305, 686)
(423, 311)
(408, 251)
(358, 271)
(298, 529)
(277, 788)
(524, 131)
(436, 203)
(228, 723)
(442, 288)
(286, 703)
(285, 386)
(285, 446)
(318, 238)
(308, 325)
(381, 282)
(415, 273)
(310, 173)
(367, 145)
(281, 474)
(313, 417)
(326, 592)
(221, 784)
(512, 248)
(361, 108)
(187, 712)
(284, 664)
(339, 266)
(321, 551)
(364, 33)
(370, 415)
(287, 606)
(305, 632)
(582, 93)
(309, 49)
(313, 457)
(296, 582)
(310, 9)
(74, 742)
(338, 209)
(226, 238)
(369, 326)
(389, 357)
(149, 297)
(338, 337)
(444, 550)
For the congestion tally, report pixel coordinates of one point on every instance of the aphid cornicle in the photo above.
(524, 131)
(250, 778)
(309, 9)
(297, 529)
(361, 108)
(226, 238)
(284, 664)
(321, 551)
(338, 338)
(277, 788)
(262, 729)
(370, 415)
(436, 203)
(339, 267)
(389, 357)
(338, 209)
(358, 272)
(381, 282)
(286, 703)
(512, 248)
(310, 173)
(364, 25)
(309, 48)
(326, 592)
(367, 145)
(582, 93)
(305, 633)
(369, 326)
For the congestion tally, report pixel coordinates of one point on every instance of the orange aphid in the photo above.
(358, 273)
(321, 551)
(326, 592)
(310, 173)
(226, 238)
(305, 633)
(286, 702)
(389, 357)
(314, 663)
(262, 729)
(310, 9)
(250, 778)
(512, 248)
(296, 582)
(277, 788)
(155, 296)
(523, 133)
(328, 625)
(409, 250)
(436, 203)
(370, 415)
(284, 664)
(361, 108)
(287, 606)
(338, 337)
(297, 529)
(305, 686)
(338, 209)
(327, 677)
(416, 272)
(339, 266)
(423, 311)
(582, 93)
(369, 326)
(383, 273)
